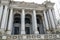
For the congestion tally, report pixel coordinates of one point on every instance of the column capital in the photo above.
(11, 8)
(23, 10)
(34, 10)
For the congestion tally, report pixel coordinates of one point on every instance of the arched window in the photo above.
(17, 18)
(40, 24)
(28, 19)
(39, 19)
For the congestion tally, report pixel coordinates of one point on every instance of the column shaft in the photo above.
(35, 22)
(54, 17)
(23, 22)
(4, 19)
(44, 26)
(32, 24)
(49, 20)
(46, 21)
(1, 10)
(51, 17)
(10, 24)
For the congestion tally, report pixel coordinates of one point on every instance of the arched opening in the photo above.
(17, 18)
(17, 22)
(40, 24)
(28, 23)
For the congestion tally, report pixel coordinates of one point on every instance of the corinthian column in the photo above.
(10, 24)
(35, 22)
(23, 22)
(5, 18)
(47, 27)
(51, 17)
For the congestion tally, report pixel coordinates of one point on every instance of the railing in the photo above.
(31, 37)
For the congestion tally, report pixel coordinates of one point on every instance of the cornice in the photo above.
(31, 5)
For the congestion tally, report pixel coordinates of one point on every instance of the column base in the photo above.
(8, 32)
(48, 32)
(22, 32)
(36, 32)
(2, 31)
(54, 30)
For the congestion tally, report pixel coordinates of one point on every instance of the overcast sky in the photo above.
(41, 1)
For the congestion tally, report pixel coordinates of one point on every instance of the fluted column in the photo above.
(23, 22)
(54, 17)
(51, 17)
(44, 25)
(49, 20)
(10, 24)
(1, 10)
(5, 18)
(45, 16)
(35, 22)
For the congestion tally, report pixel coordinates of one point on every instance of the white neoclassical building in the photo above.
(17, 18)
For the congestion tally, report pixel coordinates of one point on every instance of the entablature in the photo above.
(26, 5)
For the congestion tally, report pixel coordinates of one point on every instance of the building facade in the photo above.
(23, 18)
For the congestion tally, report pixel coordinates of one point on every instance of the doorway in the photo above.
(16, 30)
(27, 30)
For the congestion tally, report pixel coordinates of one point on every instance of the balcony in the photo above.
(31, 37)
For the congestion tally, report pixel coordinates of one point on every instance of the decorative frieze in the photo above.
(31, 37)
